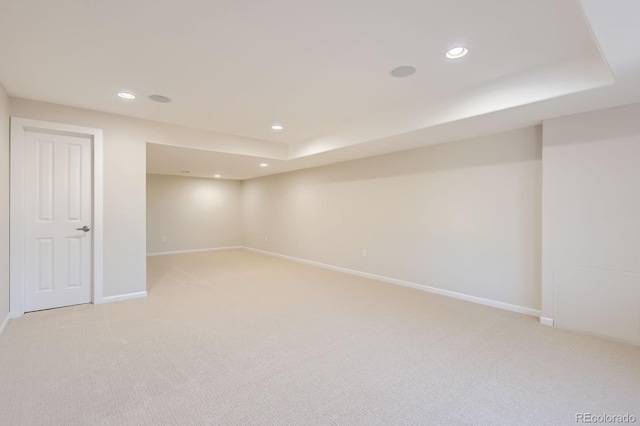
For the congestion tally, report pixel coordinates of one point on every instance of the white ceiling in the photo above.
(321, 68)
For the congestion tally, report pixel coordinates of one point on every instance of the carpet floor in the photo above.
(239, 338)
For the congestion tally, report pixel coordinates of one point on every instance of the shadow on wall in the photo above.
(573, 129)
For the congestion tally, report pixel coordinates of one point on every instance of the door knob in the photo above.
(84, 228)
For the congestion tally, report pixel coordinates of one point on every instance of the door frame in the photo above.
(17, 260)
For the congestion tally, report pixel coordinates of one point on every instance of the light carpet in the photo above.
(239, 338)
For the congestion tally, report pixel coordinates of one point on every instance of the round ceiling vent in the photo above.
(403, 71)
(160, 98)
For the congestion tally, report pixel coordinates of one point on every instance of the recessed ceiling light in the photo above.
(185, 172)
(126, 95)
(403, 71)
(264, 165)
(457, 52)
(160, 98)
(217, 176)
(277, 127)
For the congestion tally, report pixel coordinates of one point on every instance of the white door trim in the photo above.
(17, 202)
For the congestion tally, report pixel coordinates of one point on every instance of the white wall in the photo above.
(591, 222)
(463, 216)
(124, 189)
(192, 213)
(4, 205)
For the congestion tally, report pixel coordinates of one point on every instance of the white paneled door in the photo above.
(58, 220)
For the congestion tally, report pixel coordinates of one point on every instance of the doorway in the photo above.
(56, 215)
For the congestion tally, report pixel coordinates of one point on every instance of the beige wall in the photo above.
(591, 233)
(463, 216)
(4, 205)
(192, 213)
(124, 189)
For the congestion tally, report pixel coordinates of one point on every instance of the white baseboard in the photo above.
(435, 290)
(127, 296)
(165, 253)
(5, 322)
(546, 321)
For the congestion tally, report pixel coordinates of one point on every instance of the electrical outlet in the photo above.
(364, 252)
(163, 239)
(266, 238)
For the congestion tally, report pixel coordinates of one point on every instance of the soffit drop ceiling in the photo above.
(321, 68)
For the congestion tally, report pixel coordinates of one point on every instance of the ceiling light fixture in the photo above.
(185, 172)
(264, 165)
(403, 71)
(456, 52)
(159, 98)
(126, 95)
(277, 127)
(217, 176)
